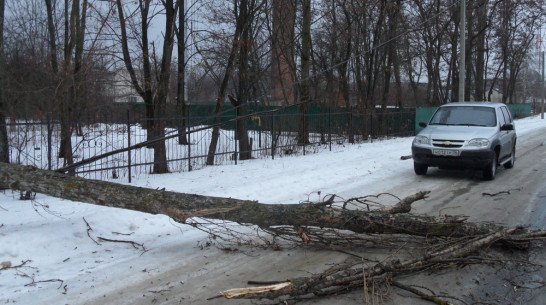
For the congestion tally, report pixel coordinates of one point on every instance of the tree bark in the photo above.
(183, 206)
(4, 148)
(481, 12)
(181, 76)
(246, 9)
(241, 127)
(160, 99)
(303, 130)
(344, 75)
(283, 66)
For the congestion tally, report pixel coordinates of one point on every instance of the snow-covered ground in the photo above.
(62, 259)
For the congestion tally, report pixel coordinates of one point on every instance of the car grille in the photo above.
(447, 143)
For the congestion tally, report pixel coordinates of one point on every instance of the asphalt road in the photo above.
(513, 198)
(516, 197)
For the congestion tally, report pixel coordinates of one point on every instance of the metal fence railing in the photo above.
(273, 134)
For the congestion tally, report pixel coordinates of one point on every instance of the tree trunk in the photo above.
(74, 40)
(283, 67)
(241, 119)
(469, 46)
(306, 219)
(183, 206)
(160, 101)
(153, 92)
(222, 92)
(303, 131)
(181, 76)
(4, 148)
(344, 76)
(481, 11)
(241, 105)
(145, 90)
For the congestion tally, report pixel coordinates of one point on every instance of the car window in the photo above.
(502, 117)
(465, 115)
(507, 114)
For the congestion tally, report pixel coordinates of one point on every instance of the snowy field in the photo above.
(62, 247)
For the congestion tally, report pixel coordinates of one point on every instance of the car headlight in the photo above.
(478, 143)
(421, 140)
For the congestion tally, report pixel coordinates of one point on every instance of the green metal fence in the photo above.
(320, 118)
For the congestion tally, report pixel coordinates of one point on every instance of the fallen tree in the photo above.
(443, 241)
(183, 206)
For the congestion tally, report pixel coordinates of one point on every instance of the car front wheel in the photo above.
(420, 169)
(490, 170)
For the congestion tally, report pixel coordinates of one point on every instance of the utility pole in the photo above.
(541, 67)
(462, 45)
(542, 87)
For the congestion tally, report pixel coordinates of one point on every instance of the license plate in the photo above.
(445, 152)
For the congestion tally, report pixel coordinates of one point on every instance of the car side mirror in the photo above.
(507, 127)
(422, 124)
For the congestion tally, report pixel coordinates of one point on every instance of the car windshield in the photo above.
(465, 116)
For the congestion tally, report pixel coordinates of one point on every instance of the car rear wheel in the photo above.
(490, 170)
(512, 160)
(420, 169)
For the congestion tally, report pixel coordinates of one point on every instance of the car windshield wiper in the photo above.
(442, 124)
(459, 124)
(470, 124)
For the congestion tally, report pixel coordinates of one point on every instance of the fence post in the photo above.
(235, 131)
(330, 127)
(371, 126)
(260, 132)
(187, 128)
(304, 132)
(48, 117)
(129, 144)
(273, 140)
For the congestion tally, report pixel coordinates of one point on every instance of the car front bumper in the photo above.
(475, 159)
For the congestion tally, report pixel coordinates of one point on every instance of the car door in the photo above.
(506, 136)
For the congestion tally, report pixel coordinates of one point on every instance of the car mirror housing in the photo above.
(422, 124)
(507, 127)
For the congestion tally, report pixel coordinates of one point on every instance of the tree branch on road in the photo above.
(428, 243)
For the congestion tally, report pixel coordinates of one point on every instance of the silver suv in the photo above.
(472, 135)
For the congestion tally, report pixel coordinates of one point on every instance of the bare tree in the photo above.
(242, 24)
(433, 243)
(69, 75)
(357, 51)
(160, 99)
(154, 92)
(434, 27)
(283, 67)
(4, 148)
(481, 9)
(247, 11)
(343, 68)
(515, 31)
(305, 97)
(181, 74)
(390, 62)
